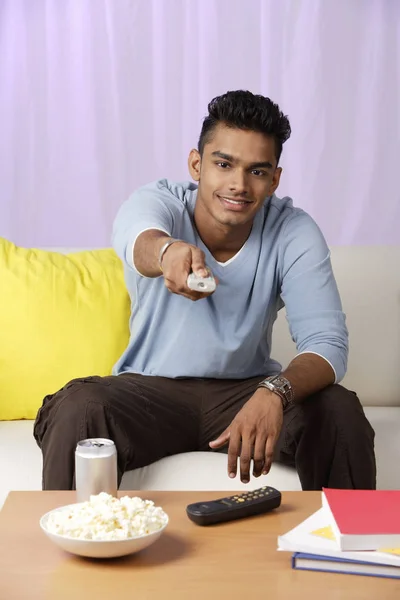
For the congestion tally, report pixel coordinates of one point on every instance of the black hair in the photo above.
(248, 111)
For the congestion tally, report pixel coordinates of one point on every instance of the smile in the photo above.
(234, 203)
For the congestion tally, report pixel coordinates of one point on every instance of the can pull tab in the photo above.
(98, 444)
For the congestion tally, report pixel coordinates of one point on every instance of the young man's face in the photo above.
(237, 171)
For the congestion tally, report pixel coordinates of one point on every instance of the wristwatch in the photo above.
(281, 386)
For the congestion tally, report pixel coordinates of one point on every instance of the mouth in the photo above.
(236, 204)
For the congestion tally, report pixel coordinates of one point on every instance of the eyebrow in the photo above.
(266, 164)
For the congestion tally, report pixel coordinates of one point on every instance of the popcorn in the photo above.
(104, 517)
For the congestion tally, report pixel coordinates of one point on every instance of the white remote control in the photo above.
(201, 284)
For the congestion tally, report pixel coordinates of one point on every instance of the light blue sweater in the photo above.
(285, 261)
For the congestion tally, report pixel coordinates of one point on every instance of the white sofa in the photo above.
(369, 282)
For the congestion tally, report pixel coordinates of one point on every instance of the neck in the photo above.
(223, 241)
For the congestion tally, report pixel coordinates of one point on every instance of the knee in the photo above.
(338, 405)
(79, 393)
(78, 401)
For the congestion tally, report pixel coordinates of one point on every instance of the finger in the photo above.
(183, 290)
(199, 263)
(233, 453)
(269, 452)
(195, 295)
(177, 269)
(173, 290)
(245, 458)
(221, 440)
(259, 455)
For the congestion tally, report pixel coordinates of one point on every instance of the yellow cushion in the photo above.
(61, 317)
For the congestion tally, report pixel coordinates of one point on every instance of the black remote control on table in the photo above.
(238, 506)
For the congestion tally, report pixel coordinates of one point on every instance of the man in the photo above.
(197, 373)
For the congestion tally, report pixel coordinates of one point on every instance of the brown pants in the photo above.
(327, 437)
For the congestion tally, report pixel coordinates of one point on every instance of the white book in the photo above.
(302, 539)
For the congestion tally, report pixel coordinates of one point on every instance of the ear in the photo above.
(275, 180)
(194, 164)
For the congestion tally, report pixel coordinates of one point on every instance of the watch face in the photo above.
(282, 387)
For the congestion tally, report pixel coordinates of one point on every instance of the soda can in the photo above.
(95, 468)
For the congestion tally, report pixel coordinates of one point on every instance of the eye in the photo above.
(259, 173)
(223, 165)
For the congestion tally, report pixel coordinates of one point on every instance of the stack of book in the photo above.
(355, 531)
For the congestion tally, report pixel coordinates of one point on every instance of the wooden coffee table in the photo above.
(236, 560)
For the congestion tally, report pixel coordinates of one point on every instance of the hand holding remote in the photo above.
(201, 284)
(185, 271)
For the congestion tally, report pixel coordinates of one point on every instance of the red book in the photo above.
(364, 519)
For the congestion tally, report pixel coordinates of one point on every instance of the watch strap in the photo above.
(280, 386)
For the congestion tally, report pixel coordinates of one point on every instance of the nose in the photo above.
(238, 183)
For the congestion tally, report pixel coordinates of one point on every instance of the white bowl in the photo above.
(99, 548)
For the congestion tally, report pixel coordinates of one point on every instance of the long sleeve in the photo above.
(308, 288)
(150, 207)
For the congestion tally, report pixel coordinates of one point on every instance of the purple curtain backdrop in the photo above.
(100, 96)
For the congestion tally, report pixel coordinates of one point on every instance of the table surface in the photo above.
(225, 561)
